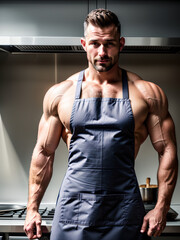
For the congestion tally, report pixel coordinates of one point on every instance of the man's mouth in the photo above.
(102, 60)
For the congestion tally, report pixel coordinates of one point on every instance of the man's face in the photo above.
(102, 46)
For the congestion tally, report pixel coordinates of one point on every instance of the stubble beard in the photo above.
(104, 67)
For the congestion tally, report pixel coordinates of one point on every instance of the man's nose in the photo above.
(102, 50)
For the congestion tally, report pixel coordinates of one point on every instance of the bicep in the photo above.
(159, 122)
(162, 134)
(49, 133)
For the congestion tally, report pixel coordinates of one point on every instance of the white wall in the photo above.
(24, 79)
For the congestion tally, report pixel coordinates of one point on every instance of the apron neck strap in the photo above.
(79, 84)
(125, 84)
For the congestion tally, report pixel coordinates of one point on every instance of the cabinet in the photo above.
(147, 18)
(50, 18)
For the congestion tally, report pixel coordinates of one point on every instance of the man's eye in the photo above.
(94, 43)
(110, 44)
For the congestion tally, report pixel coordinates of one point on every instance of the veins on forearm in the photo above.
(167, 176)
(41, 172)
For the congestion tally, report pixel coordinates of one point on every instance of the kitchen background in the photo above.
(25, 78)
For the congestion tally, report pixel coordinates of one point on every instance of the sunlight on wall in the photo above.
(13, 180)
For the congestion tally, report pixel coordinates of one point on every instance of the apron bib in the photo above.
(99, 198)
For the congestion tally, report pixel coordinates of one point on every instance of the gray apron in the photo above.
(99, 198)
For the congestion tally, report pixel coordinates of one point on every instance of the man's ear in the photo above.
(122, 42)
(83, 43)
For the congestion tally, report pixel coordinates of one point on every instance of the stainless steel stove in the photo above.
(12, 218)
(12, 221)
(171, 215)
(20, 214)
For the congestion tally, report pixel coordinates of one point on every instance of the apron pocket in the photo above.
(69, 208)
(94, 209)
(135, 210)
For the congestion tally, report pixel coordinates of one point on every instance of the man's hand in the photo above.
(154, 222)
(32, 226)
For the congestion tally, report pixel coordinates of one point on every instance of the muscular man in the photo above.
(103, 114)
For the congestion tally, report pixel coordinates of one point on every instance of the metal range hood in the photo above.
(56, 26)
(17, 44)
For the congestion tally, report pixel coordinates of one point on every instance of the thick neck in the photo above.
(114, 74)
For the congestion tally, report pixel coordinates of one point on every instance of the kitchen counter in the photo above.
(16, 226)
(173, 226)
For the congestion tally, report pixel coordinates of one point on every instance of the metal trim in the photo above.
(73, 44)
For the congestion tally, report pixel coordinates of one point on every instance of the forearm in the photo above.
(39, 177)
(167, 176)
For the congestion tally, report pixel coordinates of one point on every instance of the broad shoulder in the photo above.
(56, 93)
(152, 94)
(62, 87)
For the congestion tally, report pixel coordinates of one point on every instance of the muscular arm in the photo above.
(41, 168)
(162, 133)
(167, 172)
(42, 159)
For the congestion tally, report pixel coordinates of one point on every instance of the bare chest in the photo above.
(138, 105)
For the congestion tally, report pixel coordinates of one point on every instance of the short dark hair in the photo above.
(102, 18)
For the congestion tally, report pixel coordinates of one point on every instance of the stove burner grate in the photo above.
(21, 214)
